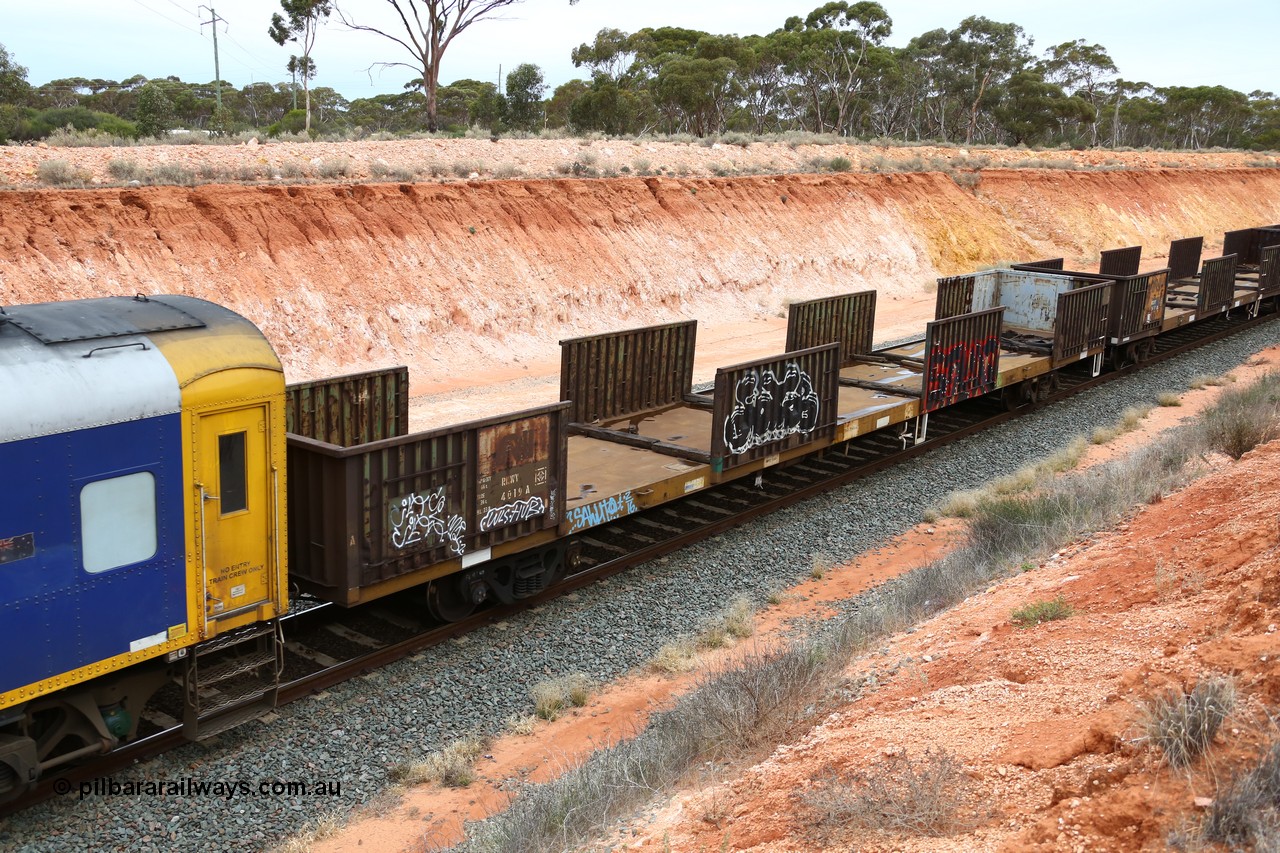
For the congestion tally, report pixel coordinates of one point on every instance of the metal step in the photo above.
(235, 638)
(236, 666)
(240, 684)
(249, 690)
(210, 727)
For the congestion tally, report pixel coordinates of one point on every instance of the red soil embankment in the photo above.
(483, 274)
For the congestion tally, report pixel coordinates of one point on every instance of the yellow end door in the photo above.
(236, 492)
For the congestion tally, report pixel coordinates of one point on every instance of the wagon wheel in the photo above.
(448, 601)
(1022, 394)
(1124, 356)
(1049, 386)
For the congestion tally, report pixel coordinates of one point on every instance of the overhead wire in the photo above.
(182, 8)
(167, 18)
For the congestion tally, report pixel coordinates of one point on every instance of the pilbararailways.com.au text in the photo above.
(191, 788)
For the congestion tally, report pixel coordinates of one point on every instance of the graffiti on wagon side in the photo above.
(768, 408)
(422, 517)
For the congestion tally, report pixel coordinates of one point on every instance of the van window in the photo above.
(118, 521)
(231, 473)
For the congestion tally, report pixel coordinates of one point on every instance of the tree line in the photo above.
(828, 72)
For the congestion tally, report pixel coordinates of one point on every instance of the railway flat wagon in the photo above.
(640, 436)
(1135, 302)
(1054, 319)
(1258, 254)
(471, 510)
(898, 386)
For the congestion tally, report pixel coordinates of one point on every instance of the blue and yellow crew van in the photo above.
(142, 535)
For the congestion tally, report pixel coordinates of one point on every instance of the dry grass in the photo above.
(964, 504)
(680, 655)
(301, 842)
(552, 697)
(820, 566)
(1244, 417)
(1204, 380)
(451, 766)
(522, 726)
(1129, 420)
(735, 622)
(1169, 399)
(1246, 810)
(1182, 723)
(897, 795)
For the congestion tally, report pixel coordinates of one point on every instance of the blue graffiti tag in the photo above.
(600, 512)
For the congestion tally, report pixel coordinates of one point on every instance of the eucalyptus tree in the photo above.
(525, 88)
(1082, 70)
(610, 54)
(427, 28)
(562, 99)
(1205, 116)
(304, 67)
(767, 97)
(1264, 126)
(303, 20)
(1032, 106)
(14, 88)
(826, 52)
(1131, 109)
(153, 111)
(984, 54)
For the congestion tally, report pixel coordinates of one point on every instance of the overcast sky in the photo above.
(1170, 43)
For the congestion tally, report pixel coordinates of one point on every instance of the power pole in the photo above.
(217, 74)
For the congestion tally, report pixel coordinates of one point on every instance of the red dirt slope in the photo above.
(344, 277)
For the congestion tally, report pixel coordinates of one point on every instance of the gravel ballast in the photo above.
(354, 734)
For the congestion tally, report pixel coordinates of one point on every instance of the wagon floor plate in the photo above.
(684, 426)
(607, 480)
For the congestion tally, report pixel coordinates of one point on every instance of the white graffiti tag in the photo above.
(499, 516)
(421, 517)
(768, 409)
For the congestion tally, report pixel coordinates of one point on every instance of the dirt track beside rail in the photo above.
(473, 282)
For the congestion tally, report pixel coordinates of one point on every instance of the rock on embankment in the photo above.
(342, 277)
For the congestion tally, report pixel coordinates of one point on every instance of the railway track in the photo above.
(328, 644)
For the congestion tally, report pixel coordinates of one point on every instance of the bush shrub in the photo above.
(334, 167)
(1245, 417)
(897, 795)
(1246, 811)
(172, 174)
(1182, 724)
(124, 170)
(1039, 612)
(60, 173)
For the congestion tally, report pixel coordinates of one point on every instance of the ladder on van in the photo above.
(232, 679)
